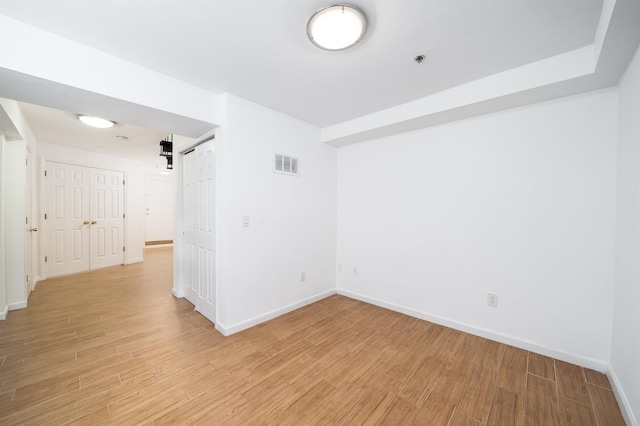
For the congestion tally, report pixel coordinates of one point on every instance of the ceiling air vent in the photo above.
(285, 164)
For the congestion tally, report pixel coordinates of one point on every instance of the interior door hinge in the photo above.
(26, 220)
(123, 215)
(124, 181)
(45, 173)
(27, 278)
(124, 249)
(45, 259)
(45, 216)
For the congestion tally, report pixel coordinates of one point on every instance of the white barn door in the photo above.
(84, 218)
(199, 234)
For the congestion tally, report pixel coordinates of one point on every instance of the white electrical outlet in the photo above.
(303, 276)
(492, 300)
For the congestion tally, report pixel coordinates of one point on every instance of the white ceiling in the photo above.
(63, 128)
(258, 49)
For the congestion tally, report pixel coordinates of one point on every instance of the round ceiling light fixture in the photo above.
(337, 27)
(98, 122)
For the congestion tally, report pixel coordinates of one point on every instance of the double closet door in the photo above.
(84, 218)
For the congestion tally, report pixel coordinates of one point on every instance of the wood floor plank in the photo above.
(398, 412)
(573, 413)
(541, 407)
(461, 362)
(323, 405)
(461, 419)
(434, 413)
(572, 383)
(97, 417)
(542, 366)
(446, 344)
(143, 404)
(605, 406)
(204, 410)
(513, 370)
(368, 408)
(478, 395)
(422, 381)
(64, 406)
(490, 354)
(448, 390)
(597, 378)
(507, 409)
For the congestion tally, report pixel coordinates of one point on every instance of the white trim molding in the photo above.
(594, 364)
(177, 293)
(17, 305)
(236, 328)
(621, 397)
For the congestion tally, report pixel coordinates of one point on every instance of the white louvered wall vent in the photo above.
(286, 164)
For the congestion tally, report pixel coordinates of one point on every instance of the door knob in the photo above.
(33, 230)
(86, 222)
(93, 222)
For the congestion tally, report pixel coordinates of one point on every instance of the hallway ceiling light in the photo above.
(337, 27)
(98, 122)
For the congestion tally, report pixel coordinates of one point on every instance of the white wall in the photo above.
(625, 348)
(15, 170)
(4, 306)
(292, 219)
(14, 213)
(519, 203)
(134, 188)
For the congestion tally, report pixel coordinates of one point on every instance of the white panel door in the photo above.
(205, 230)
(189, 208)
(67, 218)
(199, 228)
(159, 210)
(106, 213)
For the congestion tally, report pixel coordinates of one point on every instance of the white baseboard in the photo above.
(622, 399)
(136, 260)
(17, 305)
(229, 330)
(592, 363)
(153, 246)
(4, 312)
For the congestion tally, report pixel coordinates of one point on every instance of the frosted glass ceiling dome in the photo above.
(97, 122)
(337, 27)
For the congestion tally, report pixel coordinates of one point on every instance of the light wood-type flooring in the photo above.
(115, 347)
